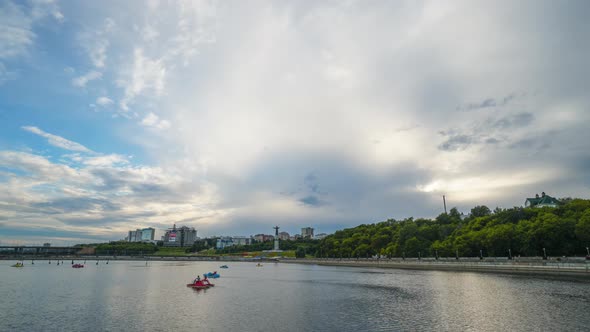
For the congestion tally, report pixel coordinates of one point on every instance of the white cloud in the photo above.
(106, 160)
(152, 120)
(98, 53)
(16, 30)
(44, 8)
(5, 75)
(96, 42)
(104, 101)
(17, 23)
(81, 81)
(95, 198)
(57, 141)
(146, 75)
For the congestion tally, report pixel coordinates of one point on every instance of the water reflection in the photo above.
(281, 297)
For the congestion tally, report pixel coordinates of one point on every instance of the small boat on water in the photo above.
(200, 284)
(224, 267)
(258, 265)
(78, 266)
(196, 286)
(212, 275)
(19, 264)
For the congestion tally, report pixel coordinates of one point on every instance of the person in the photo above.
(197, 280)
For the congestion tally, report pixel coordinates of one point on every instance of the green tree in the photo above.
(480, 211)
(583, 228)
(300, 252)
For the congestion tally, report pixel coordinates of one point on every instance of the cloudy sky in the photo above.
(234, 116)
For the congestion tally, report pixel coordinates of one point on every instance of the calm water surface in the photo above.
(131, 296)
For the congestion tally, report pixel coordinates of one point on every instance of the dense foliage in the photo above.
(564, 230)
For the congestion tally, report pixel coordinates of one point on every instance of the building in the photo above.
(307, 233)
(179, 237)
(229, 241)
(543, 201)
(263, 237)
(141, 235)
(134, 236)
(284, 236)
(320, 236)
(241, 240)
(148, 234)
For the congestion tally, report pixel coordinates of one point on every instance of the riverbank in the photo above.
(527, 266)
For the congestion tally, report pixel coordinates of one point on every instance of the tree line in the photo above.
(518, 231)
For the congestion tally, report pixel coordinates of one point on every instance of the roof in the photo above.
(543, 200)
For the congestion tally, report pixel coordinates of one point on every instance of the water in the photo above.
(131, 296)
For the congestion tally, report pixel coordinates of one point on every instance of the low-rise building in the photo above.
(543, 201)
(263, 237)
(283, 236)
(228, 241)
(320, 236)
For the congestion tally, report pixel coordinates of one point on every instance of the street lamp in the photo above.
(544, 254)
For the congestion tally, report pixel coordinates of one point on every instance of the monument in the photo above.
(276, 244)
(276, 247)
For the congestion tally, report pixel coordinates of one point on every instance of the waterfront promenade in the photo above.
(551, 266)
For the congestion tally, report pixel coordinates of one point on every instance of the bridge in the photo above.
(38, 250)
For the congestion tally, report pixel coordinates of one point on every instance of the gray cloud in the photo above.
(487, 132)
(518, 120)
(312, 201)
(457, 142)
(488, 103)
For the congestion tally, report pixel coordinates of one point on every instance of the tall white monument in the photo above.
(276, 247)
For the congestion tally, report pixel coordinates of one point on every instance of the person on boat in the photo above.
(206, 281)
(197, 280)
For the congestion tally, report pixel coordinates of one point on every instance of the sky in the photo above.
(235, 116)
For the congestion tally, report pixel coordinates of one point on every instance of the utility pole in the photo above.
(445, 204)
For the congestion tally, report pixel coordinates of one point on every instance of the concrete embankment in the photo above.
(132, 258)
(545, 267)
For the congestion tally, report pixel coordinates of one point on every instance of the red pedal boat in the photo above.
(78, 266)
(195, 286)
